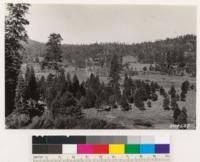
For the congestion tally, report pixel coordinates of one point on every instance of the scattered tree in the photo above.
(144, 68)
(182, 119)
(183, 96)
(162, 91)
(174, 104)
(166, 102)
(176, 113)
(149, 103)
(172, 92)
(151, 68)
(185, 87)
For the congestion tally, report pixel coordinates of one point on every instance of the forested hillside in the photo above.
(180, 49)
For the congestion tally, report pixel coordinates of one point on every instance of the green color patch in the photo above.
(132, 149)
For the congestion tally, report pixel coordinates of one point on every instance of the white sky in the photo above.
(108, 23)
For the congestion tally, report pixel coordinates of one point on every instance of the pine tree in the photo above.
(101, 100)
(94, 84)
(153, 88)
(53, 52)
(42, 87)
(149, 103)
(183, 96)
(185, 87)
(148, 91)
(127, 86)
(115, 70)
(15, 35)
(82, 88)
(126, 82)
(151, 68)
(174, 104)
(166, 102)
(182, 118)
(172, 92)
(27, 73)
(65, 104)
(144, 68)
(138, 100)
(90, 98)
(50, 94)
(31, 90)
(169, 59)
(62, 75)
(129, 89)
(75, 84)
(162, 91)
(98, 85)
(60, 82)
(94, 90)
(176, 113)
(143, 93)
(20, 102)
(177, 97)
(124, 103)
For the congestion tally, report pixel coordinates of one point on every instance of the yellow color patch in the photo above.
(116, 148)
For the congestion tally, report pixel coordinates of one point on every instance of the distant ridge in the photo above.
(145, 51)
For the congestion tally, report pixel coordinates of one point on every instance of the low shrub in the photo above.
(17, 120)
(43, 122)
(63, 122)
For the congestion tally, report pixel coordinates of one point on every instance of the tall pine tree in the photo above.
(53, 52)
(115, 70)
(15, 35)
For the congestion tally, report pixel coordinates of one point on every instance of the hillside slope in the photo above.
(179, 49)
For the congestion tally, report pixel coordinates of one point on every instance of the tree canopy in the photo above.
(53, 52)
(15, 35)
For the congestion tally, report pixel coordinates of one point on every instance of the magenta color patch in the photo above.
(84, 149)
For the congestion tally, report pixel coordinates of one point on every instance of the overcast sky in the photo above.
(110, 23)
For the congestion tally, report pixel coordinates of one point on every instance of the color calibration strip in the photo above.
(101, 145)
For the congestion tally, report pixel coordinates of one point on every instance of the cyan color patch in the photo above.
(147, 149)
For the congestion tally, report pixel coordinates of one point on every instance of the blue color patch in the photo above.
(147, 149)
